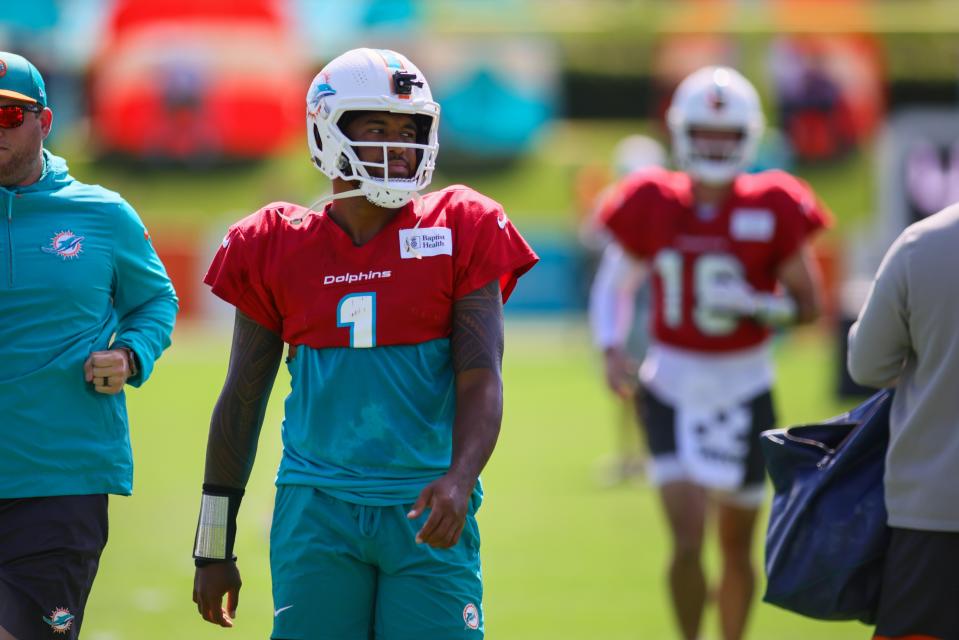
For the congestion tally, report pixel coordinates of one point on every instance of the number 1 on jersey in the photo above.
(358, 312)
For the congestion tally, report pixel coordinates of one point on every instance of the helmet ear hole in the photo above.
(343, 164)
(317, 138)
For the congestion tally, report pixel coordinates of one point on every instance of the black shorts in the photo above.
(920, 585)
(49, 553)
(659, 423)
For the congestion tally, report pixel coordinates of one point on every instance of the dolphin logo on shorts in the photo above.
(471, 616)
(60, 620)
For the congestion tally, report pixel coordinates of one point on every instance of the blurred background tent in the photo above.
(197, 81)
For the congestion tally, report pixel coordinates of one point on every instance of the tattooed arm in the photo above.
(231, 447)
(477, 352)
(238, 415)
(477, 346)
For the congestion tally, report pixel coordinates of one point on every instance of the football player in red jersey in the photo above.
(391, 304)
(729, 260)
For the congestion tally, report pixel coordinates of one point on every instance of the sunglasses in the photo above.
(11, 115)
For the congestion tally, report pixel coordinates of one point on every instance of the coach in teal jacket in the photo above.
(85, 308)
(76, 268)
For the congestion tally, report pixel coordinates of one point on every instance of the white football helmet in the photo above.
(715, 99)
(371, 80)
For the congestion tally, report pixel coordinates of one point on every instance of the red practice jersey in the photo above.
(764, 221)
(313, 286)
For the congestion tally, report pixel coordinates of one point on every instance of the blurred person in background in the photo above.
(391, 303)
(633, 153)
(87, 308)
(728, 257)
(905, 337)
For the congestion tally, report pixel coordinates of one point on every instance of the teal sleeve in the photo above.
(144, 299)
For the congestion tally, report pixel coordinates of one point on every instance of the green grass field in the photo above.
(564, 558)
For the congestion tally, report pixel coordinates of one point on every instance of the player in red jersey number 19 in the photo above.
(728, 256)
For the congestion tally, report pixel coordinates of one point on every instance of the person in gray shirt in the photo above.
(907, 336)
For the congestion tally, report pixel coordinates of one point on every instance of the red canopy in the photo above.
(190, 78)
(130, 14)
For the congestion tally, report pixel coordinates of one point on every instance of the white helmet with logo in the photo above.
(371, 80)
(715, 100)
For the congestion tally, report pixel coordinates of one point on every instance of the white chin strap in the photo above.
(311, 210)
(380, 196)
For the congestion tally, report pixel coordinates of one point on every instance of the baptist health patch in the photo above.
(752, 225)
(424, 242)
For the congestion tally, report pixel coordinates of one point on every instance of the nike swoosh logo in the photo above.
(277, 612)
(501, 222)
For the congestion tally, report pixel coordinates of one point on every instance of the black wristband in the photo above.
(216, 527)
(203, 562)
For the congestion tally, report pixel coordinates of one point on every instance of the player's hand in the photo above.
(622, 371)
(448, 500)
(210, 584)
(107, 370)
(728, 297)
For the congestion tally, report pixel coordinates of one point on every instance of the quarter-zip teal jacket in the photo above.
(78, 274)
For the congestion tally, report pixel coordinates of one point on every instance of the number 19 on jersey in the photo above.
(706, 269)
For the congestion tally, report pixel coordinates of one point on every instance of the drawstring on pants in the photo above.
(368, 519)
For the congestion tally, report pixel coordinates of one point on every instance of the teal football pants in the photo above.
(344, 571)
